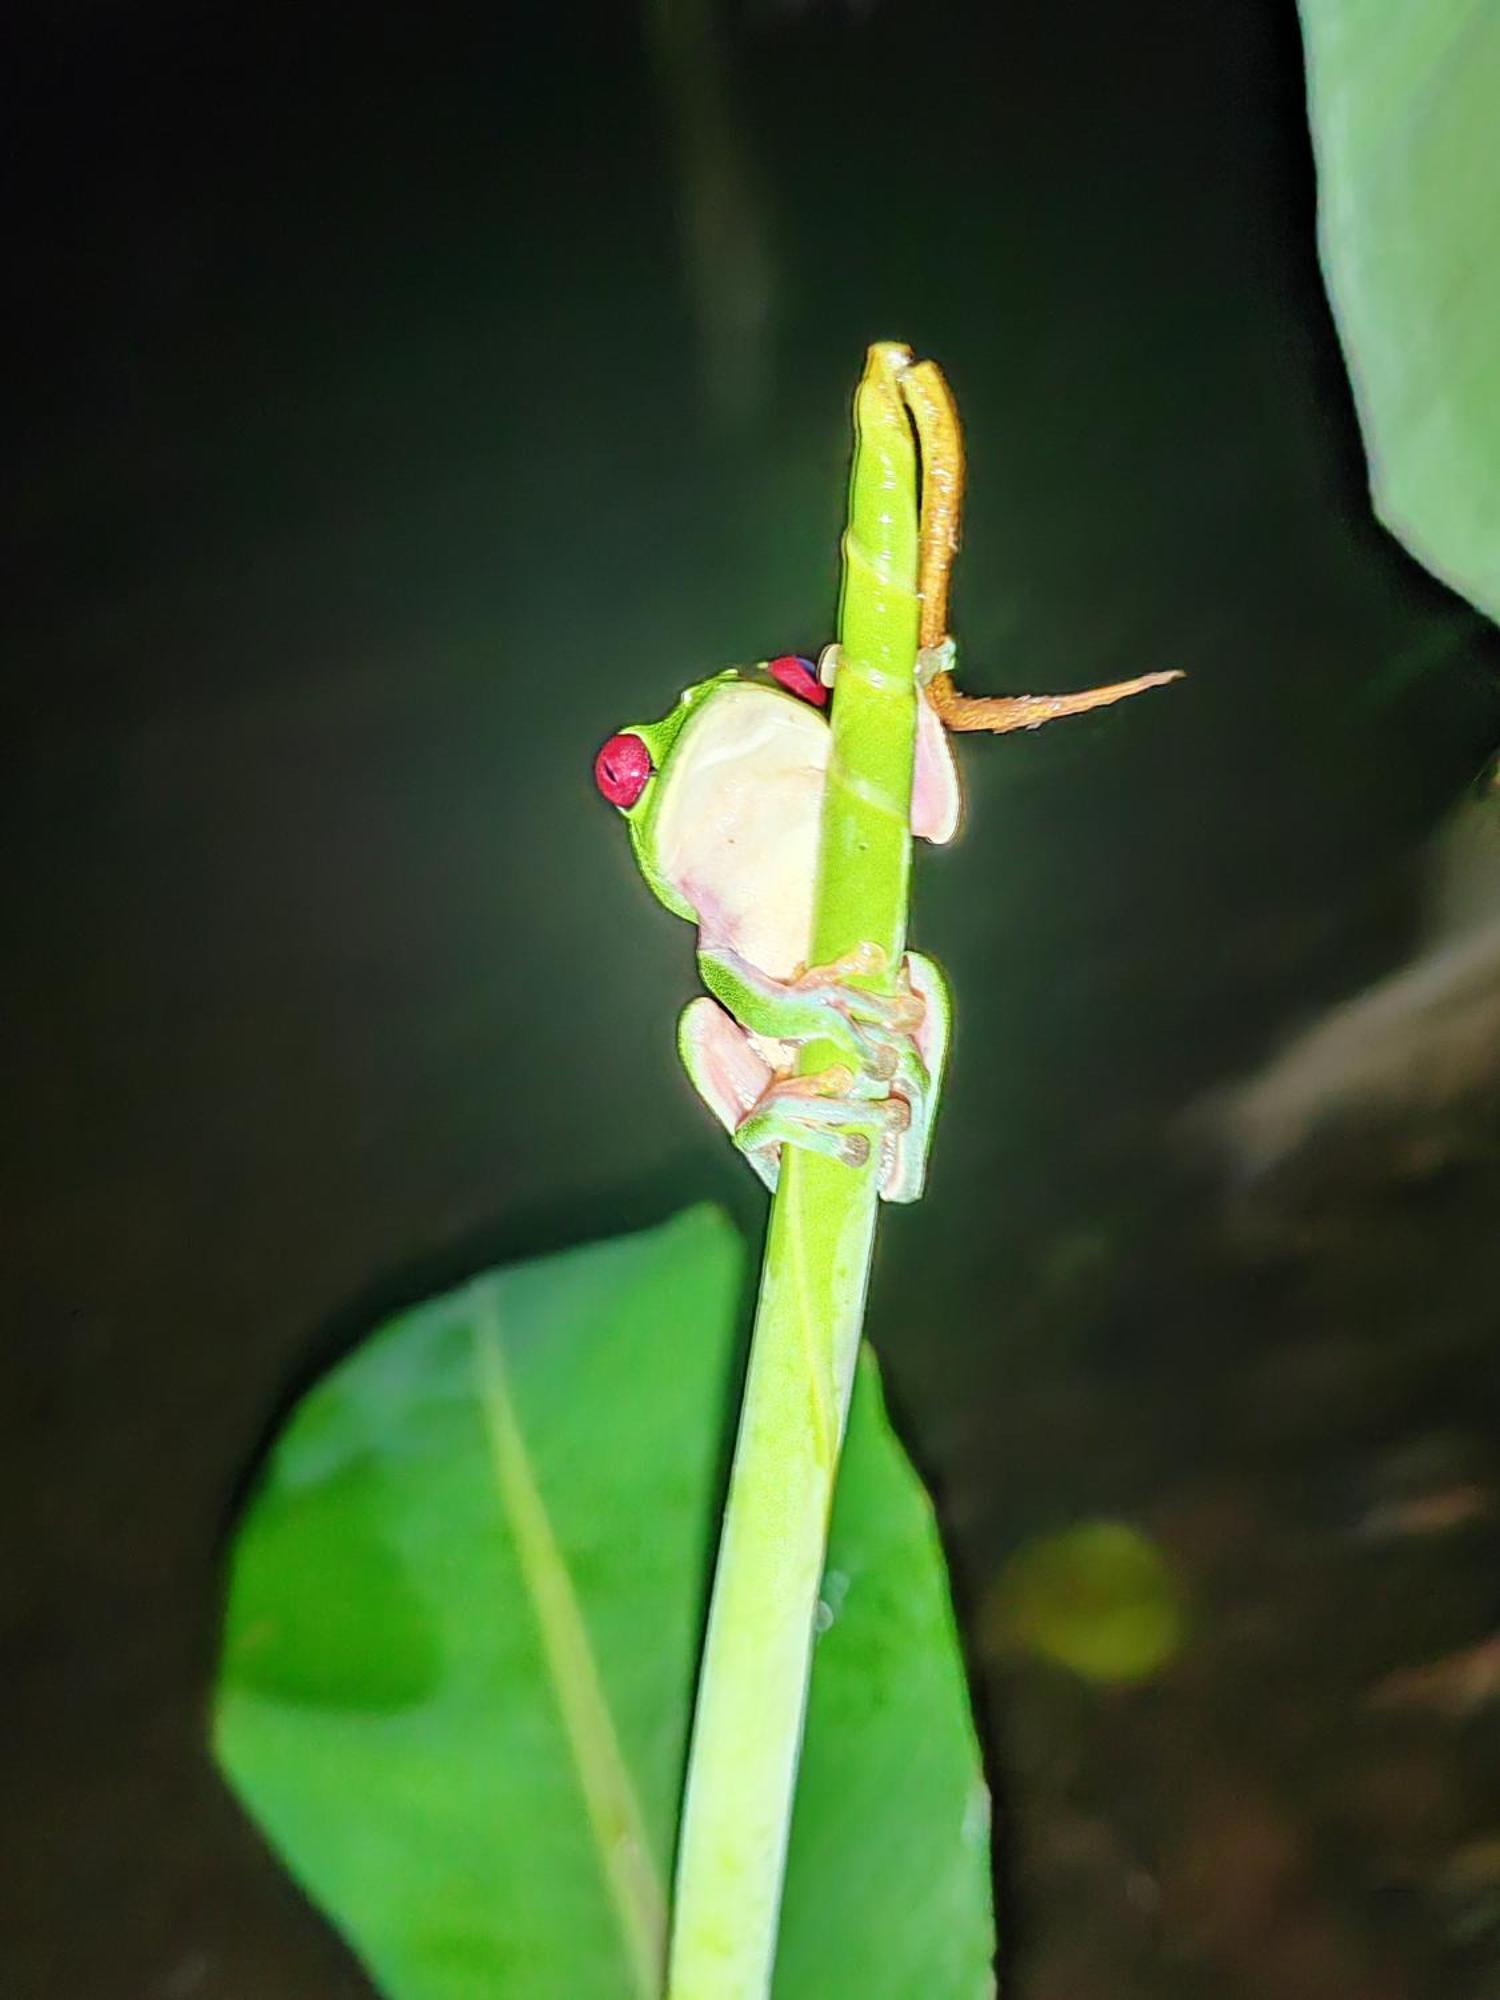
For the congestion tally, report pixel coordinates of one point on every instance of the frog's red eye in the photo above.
(621, 770)
(799, 677)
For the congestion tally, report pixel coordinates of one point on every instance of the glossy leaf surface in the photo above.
(1405, 106)
(464, 1614)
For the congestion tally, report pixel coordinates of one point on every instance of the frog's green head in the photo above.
(629, 770)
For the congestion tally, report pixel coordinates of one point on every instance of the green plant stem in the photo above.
(752, 1691)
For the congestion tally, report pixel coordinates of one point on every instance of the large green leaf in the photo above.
(1405, 105)
(462, 1632)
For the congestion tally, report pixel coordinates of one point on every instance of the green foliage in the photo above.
(1405, 106)
(1097, 1598)
(463, 1627)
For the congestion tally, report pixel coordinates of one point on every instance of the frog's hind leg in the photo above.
(763, 1109)
(919, 1080)
(822, 1113)
(728, 1073)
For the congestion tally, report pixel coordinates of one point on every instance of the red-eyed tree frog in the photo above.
(724, 797)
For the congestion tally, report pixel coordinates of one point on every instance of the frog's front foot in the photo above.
(820, 1003)
(876, 1024)
(878, 1098)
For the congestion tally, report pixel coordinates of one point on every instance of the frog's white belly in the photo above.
(737, 831)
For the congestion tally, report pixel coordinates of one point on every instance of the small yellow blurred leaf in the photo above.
(1098, 1598)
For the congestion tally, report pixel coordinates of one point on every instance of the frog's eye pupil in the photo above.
(622, 768)
(799, 677)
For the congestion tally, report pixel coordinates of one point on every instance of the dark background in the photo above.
(403, 404)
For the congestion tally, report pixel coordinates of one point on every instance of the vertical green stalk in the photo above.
(752, 1692)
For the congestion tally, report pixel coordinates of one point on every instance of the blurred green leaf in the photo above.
(462, 1633)
(1405, 107)
(1098, 1598)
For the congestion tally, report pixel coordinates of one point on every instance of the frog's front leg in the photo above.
(882, 1098)
(819, 1004)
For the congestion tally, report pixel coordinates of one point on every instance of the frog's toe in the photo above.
(875, 1019)
(824, 1114)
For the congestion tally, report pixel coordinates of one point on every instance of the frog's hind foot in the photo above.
(823, 1114)
(845, 1113)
